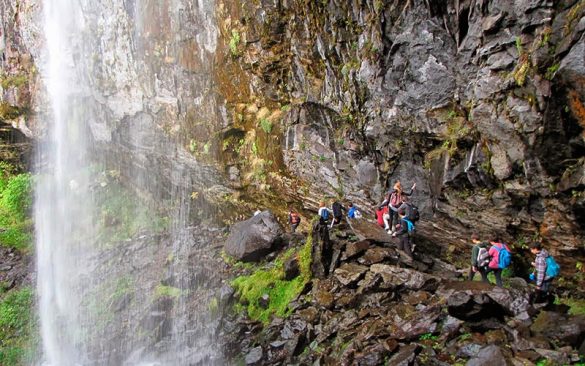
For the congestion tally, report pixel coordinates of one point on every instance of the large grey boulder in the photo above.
(251, 240)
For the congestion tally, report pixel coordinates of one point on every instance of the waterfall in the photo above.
(121, 275)
(63, 219)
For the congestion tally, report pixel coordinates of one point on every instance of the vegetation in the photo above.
(16, 327)
(15, 205)
(266, 125)
(269, 281)
(457, 129)
(234, 42)
(8, 111)
(122, 214)
(167, 291)
(13, 81)
(576, 306)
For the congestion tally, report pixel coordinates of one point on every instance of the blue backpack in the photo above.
(325, 215)
(552, 267)
(410, 225)
(504, 256)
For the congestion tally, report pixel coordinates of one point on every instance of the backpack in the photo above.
(295, 218)
(552, 267)
(410, 225)
(415, 214)
(483, 257)
(504, 256)
(395, 199)
(325, 214)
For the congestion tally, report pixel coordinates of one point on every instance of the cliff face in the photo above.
(272, 102)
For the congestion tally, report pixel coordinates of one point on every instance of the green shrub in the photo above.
(15, 327)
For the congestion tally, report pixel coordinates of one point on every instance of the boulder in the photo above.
(251, 240)
(488, 356)
(349, 273)
(404, 277)
(561, 328)
(291, 268)
(405, 355)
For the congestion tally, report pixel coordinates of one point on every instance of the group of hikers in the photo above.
(397, 215)
(495, 256)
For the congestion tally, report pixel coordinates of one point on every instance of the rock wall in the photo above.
(290, 101)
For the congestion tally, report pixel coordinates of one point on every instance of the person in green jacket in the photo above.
(476, 266)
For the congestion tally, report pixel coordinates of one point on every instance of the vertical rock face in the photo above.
(480, 103)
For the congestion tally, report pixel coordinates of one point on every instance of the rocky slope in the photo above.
(370, 304)
(480, 104)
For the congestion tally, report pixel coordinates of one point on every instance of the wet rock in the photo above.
(403, 277)
(408, 323)
(488, 356)
(562, 328)
(371, 356)
(405, 355)
(254, 356)
(264, 301)
(291, 268)
(367, 230)
(355, 249)
(349, 273)
(254, 238)
(323, 295)
(322, 251)
(379, 254)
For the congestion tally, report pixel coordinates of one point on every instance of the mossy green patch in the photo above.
(16, 327)
(167, 291)
(15, 205)
(576, 306)
(270, 281)
(122, 214)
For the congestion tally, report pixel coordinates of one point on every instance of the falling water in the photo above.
(105, 297)
(63, 220)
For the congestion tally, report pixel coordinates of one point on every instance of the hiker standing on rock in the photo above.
(294, 219)
(544, 273)
(323, 213)
(480, 258)
(394, 200)
(501, 258)
(406, 233)
(353, 212)
(337, 209)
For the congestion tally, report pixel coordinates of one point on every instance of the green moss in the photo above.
(167, 291)
(576, 306)
(122, 213)
(8, 111)
(266, 125)
(551, 71)
(15, 204)
(234, 42)
(16, 327)
(270, 281)
(13, 81)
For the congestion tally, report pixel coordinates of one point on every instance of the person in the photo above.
(294, 219)
(540, 278)
(323, 213)
(380, 212)
(394, 200)
(494, 265)
(475, 265)
(406, 234)
(353, 212)
(337, 209)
